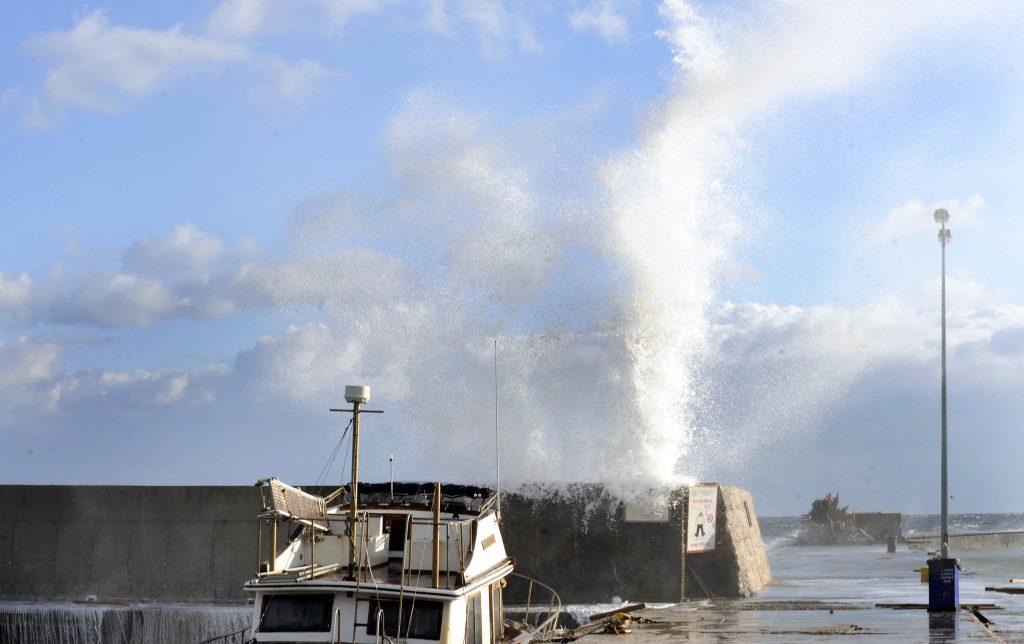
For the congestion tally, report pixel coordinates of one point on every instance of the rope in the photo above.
(330, 460)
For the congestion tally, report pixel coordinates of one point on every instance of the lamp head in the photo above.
(941, 216)
(945, 236)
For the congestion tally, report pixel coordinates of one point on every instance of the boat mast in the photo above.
(357, 395)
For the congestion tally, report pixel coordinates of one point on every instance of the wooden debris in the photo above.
(624, 609)
(1010, 590)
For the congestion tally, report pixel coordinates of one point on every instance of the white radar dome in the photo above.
(357, 394)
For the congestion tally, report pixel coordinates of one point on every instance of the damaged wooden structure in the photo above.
(829, 524)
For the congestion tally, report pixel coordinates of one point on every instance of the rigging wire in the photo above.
(334, 454)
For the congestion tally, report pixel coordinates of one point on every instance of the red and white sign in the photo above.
(701, 518)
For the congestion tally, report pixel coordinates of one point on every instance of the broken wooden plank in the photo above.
(624, 609)
(1009, 590)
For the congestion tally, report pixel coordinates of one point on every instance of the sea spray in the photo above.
(598, 298)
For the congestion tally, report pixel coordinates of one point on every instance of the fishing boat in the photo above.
(386, 562)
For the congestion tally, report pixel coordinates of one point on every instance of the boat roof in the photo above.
(454, 497)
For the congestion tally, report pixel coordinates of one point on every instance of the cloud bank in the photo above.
(618, 361)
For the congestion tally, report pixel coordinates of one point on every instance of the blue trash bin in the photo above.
(943, 584)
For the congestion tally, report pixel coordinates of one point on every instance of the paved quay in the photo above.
(799, 622)
(833, 593)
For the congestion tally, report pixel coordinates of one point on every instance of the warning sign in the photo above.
(701, 518)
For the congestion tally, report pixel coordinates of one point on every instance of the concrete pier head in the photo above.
(199, 544)
(738, 566)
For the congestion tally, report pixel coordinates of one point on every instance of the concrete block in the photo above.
(91, 503)
(41, 502)
(227, 503)
(75, 558)
(577, 541)
(34, 556)
(190, 560)
(10, 501)
(179, 503)
(738, 567)
(148, 555)
(110, 570)
(234, 558)
(6, 556)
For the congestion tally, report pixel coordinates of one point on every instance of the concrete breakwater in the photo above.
(972, 541)
(199, 543)
(161, 624)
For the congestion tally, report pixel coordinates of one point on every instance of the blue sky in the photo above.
(712, 217)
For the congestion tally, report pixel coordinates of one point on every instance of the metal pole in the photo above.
(273, 545)
(259, 545)
(354, 500)
(436, 568)
(497, 446)
(391, 466)
(945, 483)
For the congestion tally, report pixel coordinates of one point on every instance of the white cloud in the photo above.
(101, 66)
(914, 219)
(239, 18)
(602, 17)
(253, 18)
(498, 31)
(98, 65)
(293, 81)
(185, 249)
(24, 362)
(801, 400)
(15, 297)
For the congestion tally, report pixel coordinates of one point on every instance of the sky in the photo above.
(700, 233)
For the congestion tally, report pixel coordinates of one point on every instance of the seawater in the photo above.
(780, 531)
(870, 574)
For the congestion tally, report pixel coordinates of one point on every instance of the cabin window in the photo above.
(421, 619)
(296, 613)
(497, 621)
(474, 620)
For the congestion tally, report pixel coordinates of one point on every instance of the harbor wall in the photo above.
(199, 543)
(141, 543)
(975, 541)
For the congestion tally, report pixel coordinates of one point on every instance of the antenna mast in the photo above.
(497, 446)
(357, 395)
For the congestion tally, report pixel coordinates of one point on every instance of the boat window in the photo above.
(421, 619)
(474, 620)
(301, 613)
(497, 621)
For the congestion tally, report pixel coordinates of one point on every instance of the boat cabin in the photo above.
(423, 562)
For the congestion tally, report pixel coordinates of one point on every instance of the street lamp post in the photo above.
(943, 573)
(942, 216)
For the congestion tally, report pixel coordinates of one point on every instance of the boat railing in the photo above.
(241, 636)
(539, 615)
(446, 554)
(449, 554)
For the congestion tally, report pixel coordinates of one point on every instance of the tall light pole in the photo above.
(943, 572)
(942, 216)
